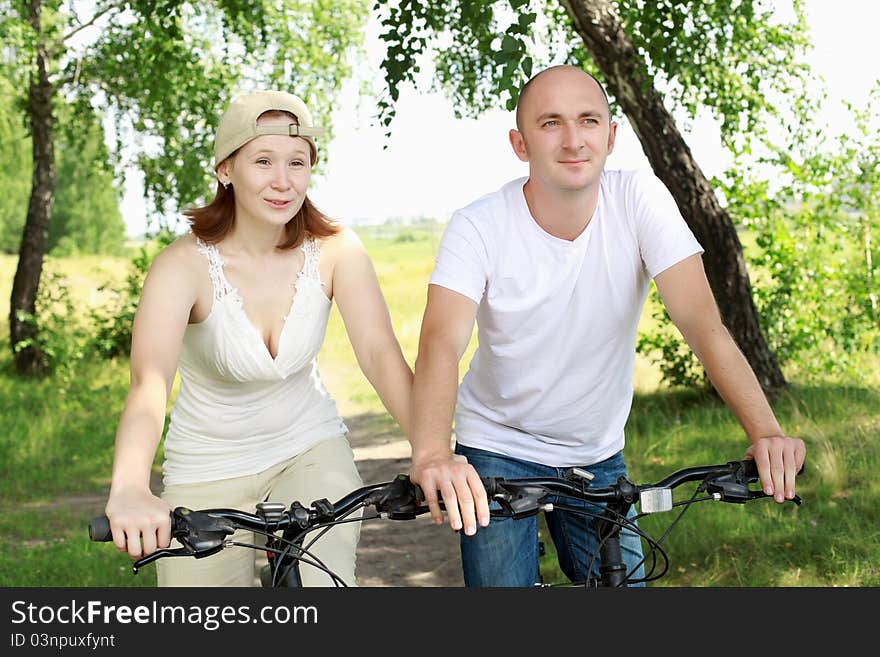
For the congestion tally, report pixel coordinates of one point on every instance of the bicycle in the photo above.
(204, 532)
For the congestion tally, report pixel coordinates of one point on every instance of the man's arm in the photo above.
(446, 330)
(688, 299)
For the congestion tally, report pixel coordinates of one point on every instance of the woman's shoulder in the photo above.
(344, 239)
(182, 256)
(174, 274)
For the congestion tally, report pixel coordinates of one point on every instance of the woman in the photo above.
(240, 306)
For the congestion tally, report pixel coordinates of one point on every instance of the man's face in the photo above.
(565, 130)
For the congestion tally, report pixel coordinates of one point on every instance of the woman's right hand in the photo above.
(140, 521)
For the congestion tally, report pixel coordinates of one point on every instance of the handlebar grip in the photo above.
(99, 530)
(750, 468)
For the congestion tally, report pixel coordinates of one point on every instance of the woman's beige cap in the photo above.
(238, 125)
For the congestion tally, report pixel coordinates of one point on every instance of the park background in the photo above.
(806, 235)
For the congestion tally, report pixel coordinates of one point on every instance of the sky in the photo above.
(435, 163)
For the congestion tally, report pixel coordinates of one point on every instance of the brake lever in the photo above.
(755, 494)
(516, 501)
(518, 509)
(401, 500)
(166, 552)
(200, 535)
(733, 489)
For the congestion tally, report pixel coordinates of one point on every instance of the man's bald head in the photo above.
(525, 92)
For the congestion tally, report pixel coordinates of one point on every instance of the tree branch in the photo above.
(98, 14)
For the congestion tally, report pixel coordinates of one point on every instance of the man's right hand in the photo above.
(458, 483)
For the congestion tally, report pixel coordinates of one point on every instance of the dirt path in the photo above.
(397, 552)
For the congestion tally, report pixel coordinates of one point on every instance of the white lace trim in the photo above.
(222, 288)
(312, 253)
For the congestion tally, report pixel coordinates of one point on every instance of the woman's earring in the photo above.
(226, 185)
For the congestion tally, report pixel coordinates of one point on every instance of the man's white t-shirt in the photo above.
(551, 379)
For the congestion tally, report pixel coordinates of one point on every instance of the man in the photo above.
(555, 269)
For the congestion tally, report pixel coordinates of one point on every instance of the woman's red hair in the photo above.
(212, 222)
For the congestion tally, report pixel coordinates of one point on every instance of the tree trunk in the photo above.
(35, 235)
(626, 77)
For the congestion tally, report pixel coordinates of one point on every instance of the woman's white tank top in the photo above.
(238, 410)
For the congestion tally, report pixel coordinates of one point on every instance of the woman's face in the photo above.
(270, 175)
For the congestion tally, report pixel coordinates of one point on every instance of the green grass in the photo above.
(833, 539)
(56, 451)
(56, 441)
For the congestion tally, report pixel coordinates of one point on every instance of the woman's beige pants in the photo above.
(326, 470)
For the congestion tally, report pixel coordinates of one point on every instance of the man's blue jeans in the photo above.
(506, 552)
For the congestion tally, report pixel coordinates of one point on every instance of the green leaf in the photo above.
(525, 20)
(509, 44)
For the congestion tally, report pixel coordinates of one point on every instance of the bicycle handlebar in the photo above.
(400, 499)
(267, 520)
